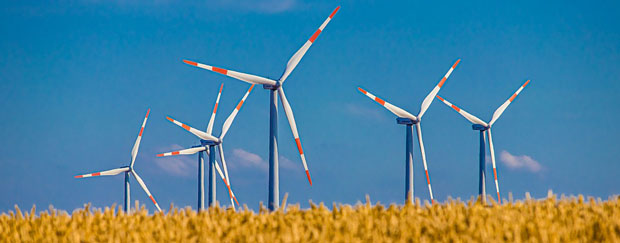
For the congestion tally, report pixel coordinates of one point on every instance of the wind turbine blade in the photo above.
(392, 108)
(421, 143)
(492, 151)
(292, 63)
(291, 121)
(184, 151)
(221, 152)
(503, 107)
(141, 182)
(136, 146)
(431, 96)
(232, 115)
(105, 173)
(469, 117)
(198, 133)
(250, 78)
(219, 171)
(212, 119)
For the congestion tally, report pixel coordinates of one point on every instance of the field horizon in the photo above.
(552, 219)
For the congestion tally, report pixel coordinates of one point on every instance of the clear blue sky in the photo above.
(77, 77)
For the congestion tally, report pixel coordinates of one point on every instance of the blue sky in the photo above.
(76, 78)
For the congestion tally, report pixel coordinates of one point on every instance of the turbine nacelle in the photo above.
(272, 86)
(407, 121)
(480, 127)
(205, 143)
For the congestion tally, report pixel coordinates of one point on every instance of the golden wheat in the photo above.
(549, 220)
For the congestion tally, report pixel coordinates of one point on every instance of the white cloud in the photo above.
(179, 165)
(244, 159)
(247, 159)
(519, 162)
(365, 111)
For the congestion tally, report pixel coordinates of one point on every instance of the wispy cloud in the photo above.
(519, 162)
(244, 159)
(179, 165)
(261, 6)
(364, 111)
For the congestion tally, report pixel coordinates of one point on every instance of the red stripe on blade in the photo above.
(190, 63)
(79, 176)
(96, 174)
(513, 97)
(382, 102)
(239, 105)
(220, 70)
(334, 13)
(439, 97)
(427, 179)
(185, 126)
(175, 153)
(456, 108)
(443, 80)
(315, 35)
(308, 175)
(301, 151)
(456, 63)
(152, 199)
(361, 90)
(141, 130)
(160, 155)
(147, 113)
(215, 108)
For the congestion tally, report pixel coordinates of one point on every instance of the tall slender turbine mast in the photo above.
(406, 118)
(276, 89)
(209, 143)
(129, 170)
(213, 164)
(482, 127)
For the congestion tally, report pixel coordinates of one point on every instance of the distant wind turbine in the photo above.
(208, 143)
(276, 89)
(482, 127)
(128, 170)
(213, 165)
(406, 118)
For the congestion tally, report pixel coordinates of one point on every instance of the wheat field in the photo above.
(565, 219)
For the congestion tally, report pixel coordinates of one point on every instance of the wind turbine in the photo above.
(212, 163)
(275, 87)
(128, 170)
(482, 127)
(409, 120)
(208, 143)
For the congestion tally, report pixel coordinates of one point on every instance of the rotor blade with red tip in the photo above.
(141, 182)
(421, 143)
(105, 173)
(221, 152)
(198, 133)
(291, 121)
(232, 115)
(219, 171)
(469, 117)
(250, 78)
(392, 108)
(431, 96)
(136, 146)
(292, 63)
(503, 107)
(492, 151)
(184, 151)
(212, 119)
